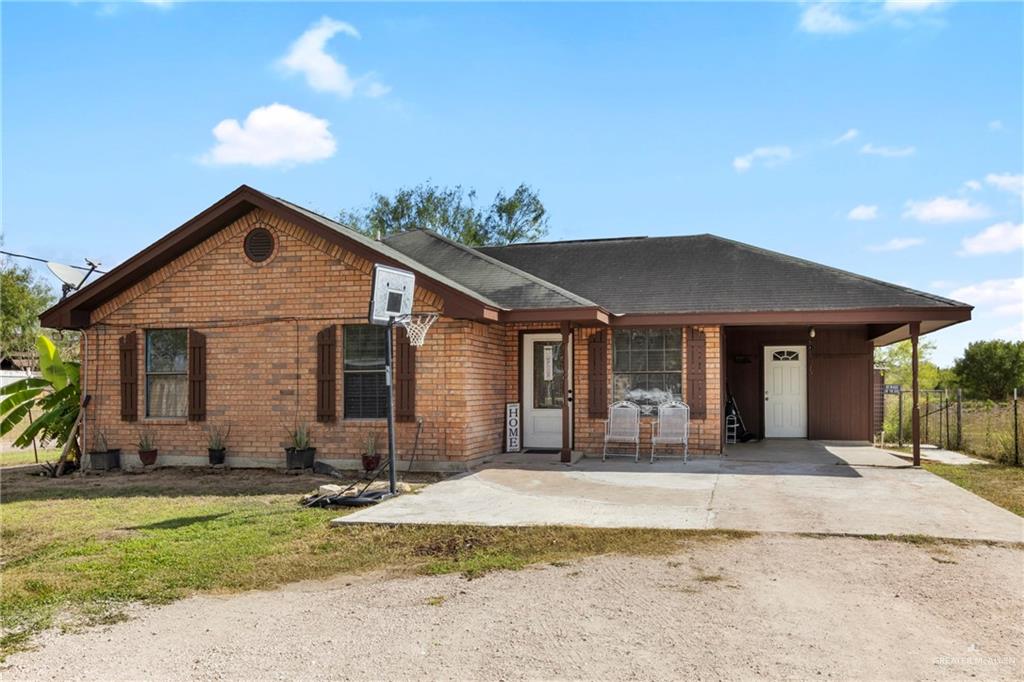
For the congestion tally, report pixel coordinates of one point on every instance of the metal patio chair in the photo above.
(622, 426)
(672, 427)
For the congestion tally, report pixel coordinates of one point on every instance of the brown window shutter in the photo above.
(597, 375)
(196, 376)
(405, 379)
(696, 373)
(129, 359)
(326, 374)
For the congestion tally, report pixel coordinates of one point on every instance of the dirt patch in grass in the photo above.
(1000, 484)
(78, 549)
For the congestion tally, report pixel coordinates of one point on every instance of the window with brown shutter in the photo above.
(696, 373)
(326, 374)
(196, 376)
(129, 371)
(405, 379)
(597, 375)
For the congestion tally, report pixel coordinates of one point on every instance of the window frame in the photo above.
(156, 373)
(646, 408)
(346, 345)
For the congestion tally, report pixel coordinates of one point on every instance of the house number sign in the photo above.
(512, 427)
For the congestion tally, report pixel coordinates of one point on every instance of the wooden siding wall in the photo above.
(839, 381)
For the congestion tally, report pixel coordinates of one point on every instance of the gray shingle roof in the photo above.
(508, 286)
(702, 273)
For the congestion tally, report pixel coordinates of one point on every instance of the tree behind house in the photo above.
(990, 370)
(452, 212)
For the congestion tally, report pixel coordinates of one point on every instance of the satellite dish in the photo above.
(72, 278)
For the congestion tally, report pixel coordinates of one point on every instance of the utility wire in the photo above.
(43, 260)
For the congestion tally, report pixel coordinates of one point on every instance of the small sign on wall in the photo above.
(893, 389)
(549, 363)
(512, 427)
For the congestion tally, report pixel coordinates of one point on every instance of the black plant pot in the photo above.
(216, 456)
(105, 461)
(299, 459)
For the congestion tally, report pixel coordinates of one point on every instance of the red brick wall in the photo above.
(261, 322)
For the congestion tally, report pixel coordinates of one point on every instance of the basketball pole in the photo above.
(392, 483)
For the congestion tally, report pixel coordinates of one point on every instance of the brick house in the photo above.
(253, 315)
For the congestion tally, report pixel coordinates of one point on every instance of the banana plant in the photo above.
(55, 397)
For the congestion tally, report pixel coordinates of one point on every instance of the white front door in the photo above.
(785, 391)
(543, 396)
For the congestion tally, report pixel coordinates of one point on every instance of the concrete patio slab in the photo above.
(788, 486)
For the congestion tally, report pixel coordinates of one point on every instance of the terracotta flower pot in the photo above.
(371, 462)
(148, 457)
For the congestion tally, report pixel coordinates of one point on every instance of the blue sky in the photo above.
(879, 138)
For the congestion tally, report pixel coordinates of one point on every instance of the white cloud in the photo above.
(863, 212)
(162, 4)
(847, 136)
(322, 71)
(945, 210)
(824, 17)
(889, 152)
(1003, 297)
(1002, 237)
(897, 244)
(911, 5)
(995, 126)
(768, 157)
(1007, 182)
(275, 135)
(972, 185)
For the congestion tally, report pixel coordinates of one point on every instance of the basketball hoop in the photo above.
(416, 326)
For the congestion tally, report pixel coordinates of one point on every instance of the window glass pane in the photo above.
(547, 393)
(166, 395)
(166, 350)
(364, 347)
(647, 366)
(365, 395)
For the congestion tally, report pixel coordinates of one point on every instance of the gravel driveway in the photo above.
(773, 605)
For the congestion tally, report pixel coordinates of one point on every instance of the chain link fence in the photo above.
(982, 428)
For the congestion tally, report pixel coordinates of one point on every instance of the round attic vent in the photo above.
(259, 244)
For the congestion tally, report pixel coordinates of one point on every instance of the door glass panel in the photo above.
(547, 375)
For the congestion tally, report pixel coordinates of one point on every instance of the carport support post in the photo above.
(915, 411)
(567, 358)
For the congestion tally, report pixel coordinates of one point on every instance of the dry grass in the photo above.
(998, 483)
(13, 458)
(78, 549)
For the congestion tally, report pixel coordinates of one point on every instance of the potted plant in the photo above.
(371, 458)
(147, 448)
(217, 438)
(299, 454)
(102, 457)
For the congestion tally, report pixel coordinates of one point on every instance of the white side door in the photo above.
(785, 391)
(543, 396)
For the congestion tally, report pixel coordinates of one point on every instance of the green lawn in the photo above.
(76, 549)
(16, 457)
(998, 483)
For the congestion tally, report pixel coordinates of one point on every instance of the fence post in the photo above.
(945, 399)
(959, 419)
(1016, 432)
(899, 420)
